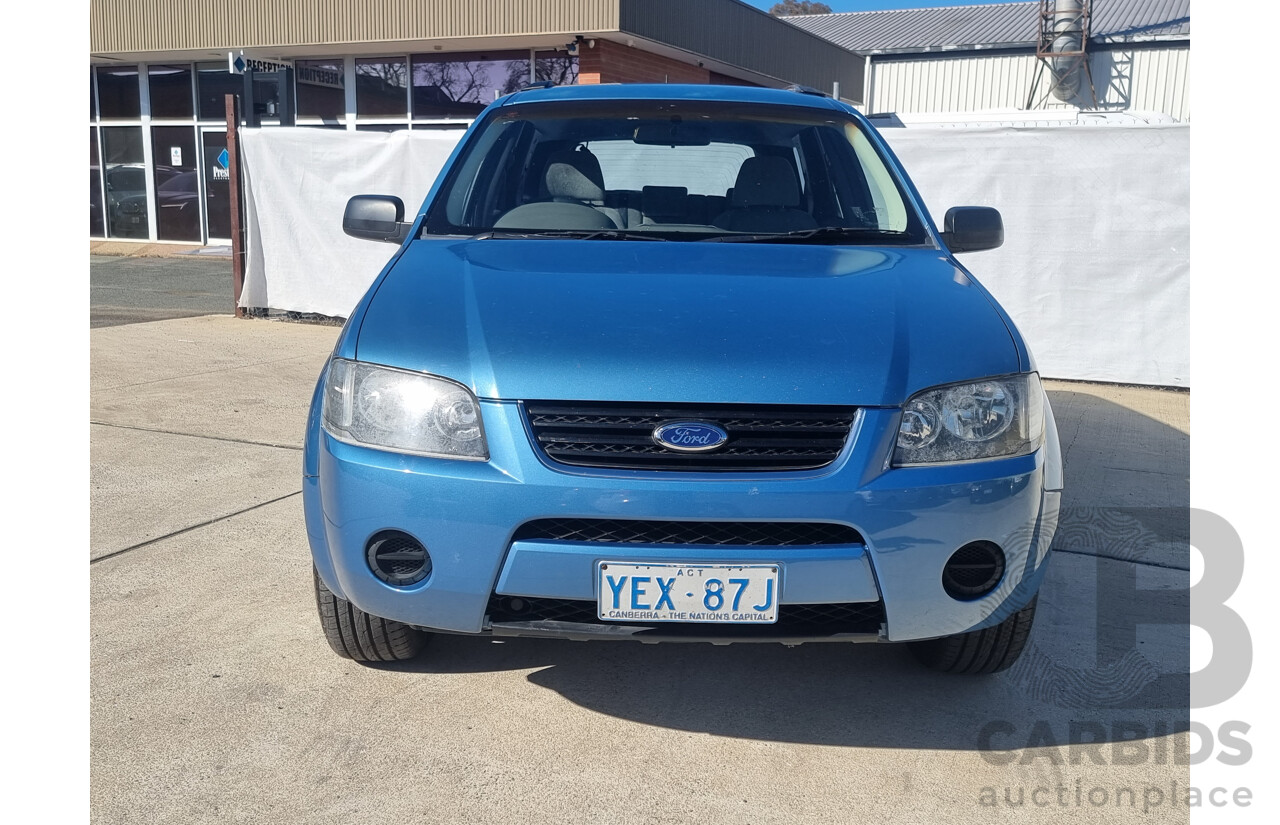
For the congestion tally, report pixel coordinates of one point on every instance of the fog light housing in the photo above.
(398, 558)
(973, 571)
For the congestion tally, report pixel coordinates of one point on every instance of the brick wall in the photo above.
(611, 62)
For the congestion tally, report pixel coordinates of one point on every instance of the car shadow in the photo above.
(1107, 660)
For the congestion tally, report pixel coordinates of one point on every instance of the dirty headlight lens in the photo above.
(996, 418)
(403, 411)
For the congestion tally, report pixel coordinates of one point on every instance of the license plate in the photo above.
(730, 594)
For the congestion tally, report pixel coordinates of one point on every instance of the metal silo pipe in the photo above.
(1068, 37)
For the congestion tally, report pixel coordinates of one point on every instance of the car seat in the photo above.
(574, 176)
(764, 199)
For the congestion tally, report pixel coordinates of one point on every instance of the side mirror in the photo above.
(972, 228)
(375, 218)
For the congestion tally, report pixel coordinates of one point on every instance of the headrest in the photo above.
(766, 181)
(574, 175)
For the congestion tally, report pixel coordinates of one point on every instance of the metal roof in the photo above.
(993, 26)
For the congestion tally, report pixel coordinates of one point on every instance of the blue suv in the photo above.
(679, 363)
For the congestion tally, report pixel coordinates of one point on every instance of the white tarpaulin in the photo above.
(297, 183)
(1096, 265)
(1095, 269)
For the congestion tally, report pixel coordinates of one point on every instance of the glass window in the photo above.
(126, 181)
(382, 87)
(558, 67)
(700, 170)
(177, 191)
(215, 84)
(320, 89)
(381, 127)
(217, 184)
(118, 96)
(266, 95)
(97, 228)
(886, 208)
(170, 89)
(682, 169)
(93, 100)
(461, 84)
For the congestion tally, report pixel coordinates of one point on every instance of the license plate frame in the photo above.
(671, 592)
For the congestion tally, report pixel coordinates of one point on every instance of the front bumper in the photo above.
(910, 521)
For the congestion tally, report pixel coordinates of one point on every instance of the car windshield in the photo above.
(688, 170)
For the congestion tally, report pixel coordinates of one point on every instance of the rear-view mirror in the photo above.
(674, 132)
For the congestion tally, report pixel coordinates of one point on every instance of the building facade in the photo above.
(983, 57)
(160, 71)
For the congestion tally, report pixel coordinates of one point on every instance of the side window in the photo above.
(889, 210)
(510, 177)
(846, 181)
(802, 174)
(865, 195)
(463, 190)
(533, 185)
(484, 186)
(829, 206)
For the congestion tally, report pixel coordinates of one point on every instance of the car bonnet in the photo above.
(675, 321)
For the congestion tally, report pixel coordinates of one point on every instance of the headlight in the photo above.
(404, 411)
(996, 418)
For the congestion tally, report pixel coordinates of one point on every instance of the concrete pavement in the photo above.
(215, 698)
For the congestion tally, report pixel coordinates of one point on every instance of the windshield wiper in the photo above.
(824, 234)
(571, 234)
(619, 235)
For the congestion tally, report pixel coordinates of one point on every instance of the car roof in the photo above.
(675, 91)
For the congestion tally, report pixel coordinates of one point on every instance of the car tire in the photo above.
(989, 650)
(354, 634)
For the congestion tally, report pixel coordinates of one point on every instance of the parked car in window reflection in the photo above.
(178, 207)
(176, 190)
(127, 200)
(97, 227)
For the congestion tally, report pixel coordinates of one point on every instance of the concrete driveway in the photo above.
(216, 699)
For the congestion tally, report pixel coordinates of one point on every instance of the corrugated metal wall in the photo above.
(164, 25)
(1147, 79)
(744, 36)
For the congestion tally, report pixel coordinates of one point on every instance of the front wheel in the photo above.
(354, 634)
(989, 650)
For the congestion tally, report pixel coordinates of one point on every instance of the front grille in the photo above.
(737, 533)
(793, 619)
(619, 435)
